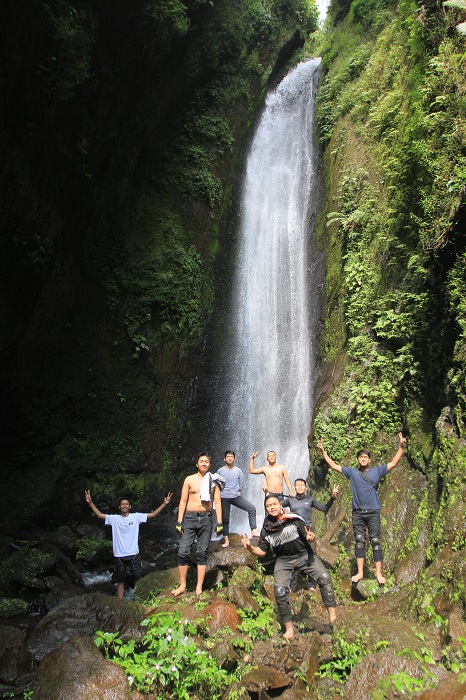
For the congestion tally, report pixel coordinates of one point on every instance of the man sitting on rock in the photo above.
(287, 536)
(125, 539)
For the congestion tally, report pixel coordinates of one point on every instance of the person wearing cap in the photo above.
(287, 537)
(365, 503)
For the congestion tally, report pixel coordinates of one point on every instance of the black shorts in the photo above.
(127, 569)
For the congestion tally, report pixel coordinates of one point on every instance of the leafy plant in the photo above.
(346, 655)
(258, 625)
(166, 660)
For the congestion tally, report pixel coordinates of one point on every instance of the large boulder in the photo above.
(77, 671)
(85, 615)
(375, 667)
(64, 539)
(15, 659)
(230, 558)
(60, 591)
(221, 614)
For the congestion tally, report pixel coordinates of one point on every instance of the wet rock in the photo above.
(95, 532)
(375, 667)
(400, 503)
(157, 581)
(241, 597)
(453, 613)
(85, 615)
(15, 659)
(77, 670)
(408, 569)
(221, 614)
(60, 591)
(64, 539)
(245, 576)
(358, 622)
(63, 567)
(297, 694)
(231, 558)
(265, 678)
(327, 553)
(225, 655)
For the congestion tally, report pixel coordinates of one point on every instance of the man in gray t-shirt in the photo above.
(366, 504)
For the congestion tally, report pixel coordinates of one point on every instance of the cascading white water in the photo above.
(269, 360)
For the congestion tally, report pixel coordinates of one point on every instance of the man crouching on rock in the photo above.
(287, 536)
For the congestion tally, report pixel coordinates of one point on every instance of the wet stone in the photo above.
(77, 670)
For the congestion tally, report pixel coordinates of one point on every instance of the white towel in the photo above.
(208, 482)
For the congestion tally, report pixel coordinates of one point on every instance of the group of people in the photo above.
(286, 532)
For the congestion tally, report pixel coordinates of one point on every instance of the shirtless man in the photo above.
(195, 521)
(274, 475)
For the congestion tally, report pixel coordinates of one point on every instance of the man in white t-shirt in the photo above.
(125, 539)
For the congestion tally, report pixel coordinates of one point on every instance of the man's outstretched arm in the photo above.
(399, 452)
(87, 496)
(252, 469)
(166, 501)
(328, 459)
(251, 547)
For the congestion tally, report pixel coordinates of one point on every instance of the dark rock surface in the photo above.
(85, 615)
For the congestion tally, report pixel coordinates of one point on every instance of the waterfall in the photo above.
(267, 367)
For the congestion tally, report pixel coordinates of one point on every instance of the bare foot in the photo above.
(289, 630)
(198, 591)
(356, 579)
(254, 533)
(226, 542)
(178, 591)
(381, 580)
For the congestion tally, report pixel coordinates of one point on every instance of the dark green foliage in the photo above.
(396, 233)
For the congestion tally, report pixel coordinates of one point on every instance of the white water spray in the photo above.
(268, 364)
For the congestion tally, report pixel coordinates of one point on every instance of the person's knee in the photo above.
(359, 545)
(326, 589)
(281, 592)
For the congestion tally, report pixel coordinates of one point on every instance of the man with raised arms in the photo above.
(274, 474)
(195, 521)
(366, 504)
(125, 539)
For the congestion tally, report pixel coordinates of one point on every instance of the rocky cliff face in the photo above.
(122, 129)
(392, 120)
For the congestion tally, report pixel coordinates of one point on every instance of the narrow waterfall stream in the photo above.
(267, 373)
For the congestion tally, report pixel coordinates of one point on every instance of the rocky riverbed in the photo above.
(387, 642)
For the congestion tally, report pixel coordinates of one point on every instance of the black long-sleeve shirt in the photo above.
(303, 506)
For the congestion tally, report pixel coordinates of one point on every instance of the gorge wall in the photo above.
(122, 131)
(392, 119)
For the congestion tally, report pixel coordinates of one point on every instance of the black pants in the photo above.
(309, 565)
(369, 520)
